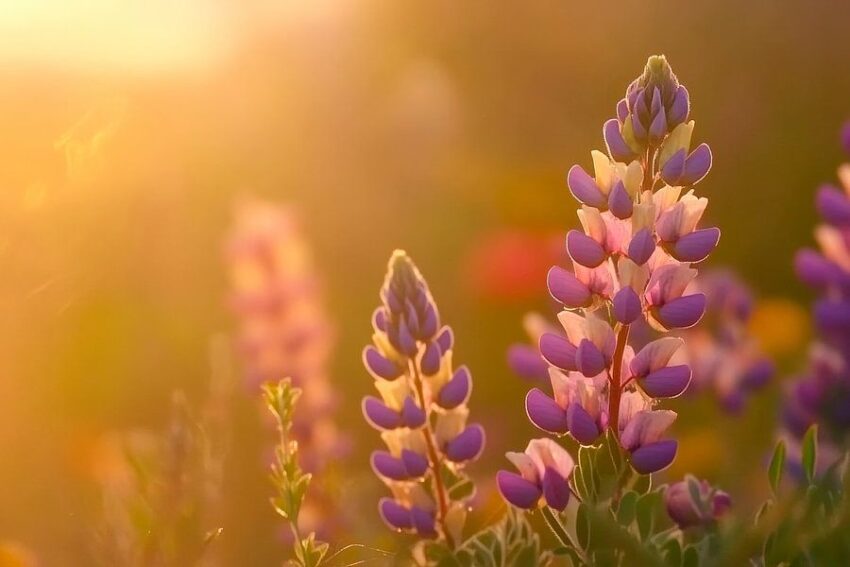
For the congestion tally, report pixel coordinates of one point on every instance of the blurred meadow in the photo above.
(133, 130)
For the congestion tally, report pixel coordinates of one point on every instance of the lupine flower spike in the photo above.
(632, 263)
(421, 410)
(822, 394)
(284, 330)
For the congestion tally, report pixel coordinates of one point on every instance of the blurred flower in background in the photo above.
(284, 331)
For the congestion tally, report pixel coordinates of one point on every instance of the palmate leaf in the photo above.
(511, 541)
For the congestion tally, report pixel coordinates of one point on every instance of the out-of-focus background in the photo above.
(131, 129)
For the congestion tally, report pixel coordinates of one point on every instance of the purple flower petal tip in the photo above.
(682, 312)
(423, 522)
(759, 374)
(388, 466)
(674, 168)
(627, 306)
(667, 382)
(567, 289)
(430, 361)
(654, 457)
(394, 514)
(641, 246)
(696, 246)
(584, 250)
(680, 108)
(584, 188)
(589, 359)
(558, 351)
(697, 165)
(467, 446)
(833, 205)
(411, 414)
(446, 339)
(619, 202)
(456, 391)
(527, 363)
(617, 146)
(379, 415)
(545, 413)
(581, 425)
(517, 490)
(380, 366)
(414, 463)
(556, 491)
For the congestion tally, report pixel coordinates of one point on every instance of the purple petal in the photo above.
(589, 359)
(379, 319)
(430, 323)
(411, 414)
(394, 514)
(832, 315)
(558, 351)
(430, 362)
(584, 250)
(582, 427)
(758, 374)
(379, 415)
(619, 202)
(638, 128)
(518, 491)
(456, 390)
(696, 246)
(617, 146)
(642, 246)
(817, 271)
(655, 106)
(680, 108)
(567, 289)
(622, 110)
(378, 365)
(584, 188)
(658, 128)
(627, 307)
(412, 319)
(682, 312)
(423, 522)
(414, 463)
(697, 165)
(406, 342)
(556, 491)
(467, 445)
(674, 168)
(654, 457)
(667, 382)
(527, 363)
(545, 413)
(833, 205)
(388, 466)
(446, 339)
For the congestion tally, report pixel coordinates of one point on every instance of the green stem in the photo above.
(614, 386)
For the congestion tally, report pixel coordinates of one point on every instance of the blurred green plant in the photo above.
(289, 480)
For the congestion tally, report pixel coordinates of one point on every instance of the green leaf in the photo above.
(777, 464)
(690, 558)
(810, 452)
(626, 510)
(672, 551)
(583, 526)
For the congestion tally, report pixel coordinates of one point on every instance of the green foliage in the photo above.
(777, 464)
(810, 452)
(288, 478)
(510, 542)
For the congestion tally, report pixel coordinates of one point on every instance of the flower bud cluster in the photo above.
(421, 410)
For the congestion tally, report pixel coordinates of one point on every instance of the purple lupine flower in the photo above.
(285, 331)
(724, 356)
(632, 262)
(544, 471)
(691, 503)
(822, 393)
(422, 411)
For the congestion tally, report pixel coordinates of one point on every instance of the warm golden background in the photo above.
(130, 129)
